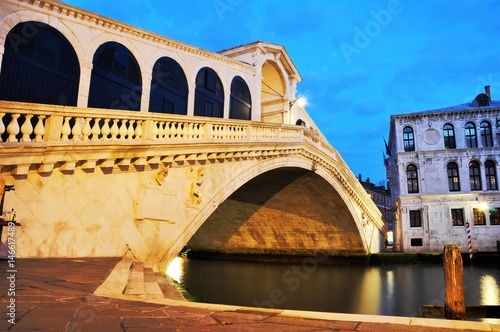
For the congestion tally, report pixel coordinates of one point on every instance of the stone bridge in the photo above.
(117, 139)
(160, 181)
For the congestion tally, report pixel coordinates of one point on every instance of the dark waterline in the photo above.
(396, 290)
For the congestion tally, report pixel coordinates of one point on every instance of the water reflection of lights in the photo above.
(176, 269)
(490, 292)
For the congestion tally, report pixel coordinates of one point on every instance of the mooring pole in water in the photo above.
(453, 283)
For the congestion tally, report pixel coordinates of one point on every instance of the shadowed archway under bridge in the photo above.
(286, 211)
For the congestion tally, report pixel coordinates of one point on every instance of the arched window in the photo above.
(491, 175)
(241, 101)
(449, 136)
(116, 79)
(412, 179)
(39, 65)
(169, 88)
(486, 136)
(470, 135)
(475, 176)
(453, 178)
(209, 95)
(300, 122)
(408, 139)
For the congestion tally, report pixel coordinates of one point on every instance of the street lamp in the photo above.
(301, 101)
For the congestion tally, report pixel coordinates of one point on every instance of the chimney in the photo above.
(487, 90)
(359, 177)
(367, 180)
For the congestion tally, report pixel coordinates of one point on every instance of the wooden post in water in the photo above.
(453, 283)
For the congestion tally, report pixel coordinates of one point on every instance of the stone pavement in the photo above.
(60, 294)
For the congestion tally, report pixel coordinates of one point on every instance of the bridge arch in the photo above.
(305, 168)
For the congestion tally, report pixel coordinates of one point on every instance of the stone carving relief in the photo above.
(196, 178)
(431, 136)
(161, 175)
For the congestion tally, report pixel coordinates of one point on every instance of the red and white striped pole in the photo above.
(469, 239)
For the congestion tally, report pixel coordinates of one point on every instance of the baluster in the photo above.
(27, 128)
(105, 130)
(13, 128)
(168, 132)
(86, 130)
(155, 130)
(138, 130)
(196, 131)
(2, 126)
(66, 129)
(96, 131)
(123, 130)
(173, 130)
(161, 131)
(39, 129)
(190, 131)
(77, 130)
(114, 130)
(185, 131)
(130, 131)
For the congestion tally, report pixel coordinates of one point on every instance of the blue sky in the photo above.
(361, 61)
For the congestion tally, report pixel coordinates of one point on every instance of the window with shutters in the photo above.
(116, 81)
(241, 101)
(36, 50)
(169, 88)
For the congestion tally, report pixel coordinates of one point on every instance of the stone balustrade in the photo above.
(31, 123)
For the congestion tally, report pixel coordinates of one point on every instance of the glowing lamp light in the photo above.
(483, 206)
(301, 101)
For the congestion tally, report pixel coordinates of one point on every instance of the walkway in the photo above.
(58, 295)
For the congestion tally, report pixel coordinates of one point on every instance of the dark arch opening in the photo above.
(39, 65)
(209, 95)
(116, 81)
(241, 100)
(169, 88)
(300, 122)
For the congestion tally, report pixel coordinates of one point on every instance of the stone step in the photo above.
(151, 287)
(135, 284)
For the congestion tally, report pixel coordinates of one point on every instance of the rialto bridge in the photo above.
(118, 139)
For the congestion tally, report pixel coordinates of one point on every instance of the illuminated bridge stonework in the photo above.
(216, 155)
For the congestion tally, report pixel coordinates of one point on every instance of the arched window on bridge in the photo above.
(241, 101)
(116, 79)
(169, 88)
(209, 95)
(300, 122)
(39, 65)
(412, 179)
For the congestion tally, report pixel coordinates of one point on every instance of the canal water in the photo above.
(395, 290)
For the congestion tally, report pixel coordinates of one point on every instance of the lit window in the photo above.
(415, 218)
(486, 136)
(449, 136)
(470, 135)
(457, 217)
(479, 216)
(495, 216)
(475, 176)
(412, 179)
(408, 139)
(453, 178)
(491, 175)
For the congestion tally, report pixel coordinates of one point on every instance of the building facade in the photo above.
(381, 197)
(443, 176)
